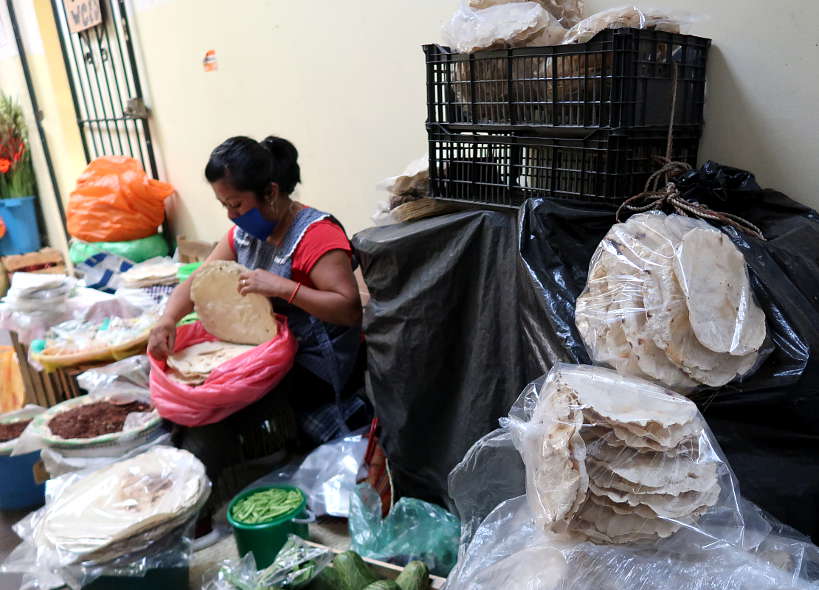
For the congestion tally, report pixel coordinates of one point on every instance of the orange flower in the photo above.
(4, 165)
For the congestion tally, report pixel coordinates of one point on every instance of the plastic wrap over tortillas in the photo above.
(669, 298)
(621, 486)
(225, 313)
(615, 459)
(146, 495)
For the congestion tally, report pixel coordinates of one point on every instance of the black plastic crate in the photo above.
(505, 168)
(622, 78)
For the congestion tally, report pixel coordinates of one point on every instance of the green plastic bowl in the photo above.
(266, 539)
(186, 270)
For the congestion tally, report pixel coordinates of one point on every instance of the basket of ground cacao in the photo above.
(94, 425)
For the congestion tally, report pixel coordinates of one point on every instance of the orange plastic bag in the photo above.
(115, 201)
(12, 391)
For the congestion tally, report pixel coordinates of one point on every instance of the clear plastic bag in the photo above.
(128, 377)
(504, 25)
(327, 476)
(413, 530)
(489, 24)
(412, 184)
(121, 520)
(625, 17)
(580, 433)
(381, 215)
(669, 298)
(81, 341)
(566, 12)
(59, 462)
(122, 382)
(296, 565)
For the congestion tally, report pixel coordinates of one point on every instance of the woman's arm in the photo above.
(334, 300)
(163, 334)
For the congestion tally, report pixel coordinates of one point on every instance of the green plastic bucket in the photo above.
(266, 539)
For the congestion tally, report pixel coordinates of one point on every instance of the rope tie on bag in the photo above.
(654, 198)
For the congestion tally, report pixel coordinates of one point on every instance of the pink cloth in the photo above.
(230, 387)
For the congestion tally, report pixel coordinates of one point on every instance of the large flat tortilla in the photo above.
(712, 273)
(241, 319)
(123, 500)
(556, 467)
(626, 400)
(656, 505)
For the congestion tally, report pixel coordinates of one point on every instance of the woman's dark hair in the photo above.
(251, 165)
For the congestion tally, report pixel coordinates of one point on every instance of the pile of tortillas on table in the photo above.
(150, 273)
(239, 321)
(123, 507)
(669, 298)
(616, 459)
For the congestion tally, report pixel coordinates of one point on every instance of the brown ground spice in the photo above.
(12, 430)
(93, 419)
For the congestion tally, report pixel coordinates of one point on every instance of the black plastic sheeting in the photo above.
(468, 308)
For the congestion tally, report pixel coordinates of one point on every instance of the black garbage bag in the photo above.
(452, 332)
(468, 308)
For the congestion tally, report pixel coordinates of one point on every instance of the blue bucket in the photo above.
(18, 489)
(22, 232)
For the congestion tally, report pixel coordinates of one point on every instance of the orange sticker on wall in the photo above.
(210, 61)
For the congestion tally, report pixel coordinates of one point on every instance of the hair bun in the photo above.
(280, 148)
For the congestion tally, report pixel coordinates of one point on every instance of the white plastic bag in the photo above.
(414, 179)
(327, 475)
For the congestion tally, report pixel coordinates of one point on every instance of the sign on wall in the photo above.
(82, 14)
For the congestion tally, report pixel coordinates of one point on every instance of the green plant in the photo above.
(16, 171)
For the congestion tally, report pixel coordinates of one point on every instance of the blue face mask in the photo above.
(255, 224)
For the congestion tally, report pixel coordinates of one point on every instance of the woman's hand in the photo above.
(265, 283)
(161, 339)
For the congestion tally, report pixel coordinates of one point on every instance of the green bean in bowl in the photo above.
(266, 505)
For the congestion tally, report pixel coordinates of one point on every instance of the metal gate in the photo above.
(102, 72)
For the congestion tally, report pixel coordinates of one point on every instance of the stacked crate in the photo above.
(583, 121)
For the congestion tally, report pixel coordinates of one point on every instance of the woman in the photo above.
(299, 257)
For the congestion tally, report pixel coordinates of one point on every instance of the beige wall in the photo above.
(763, 87)
(345, 82)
